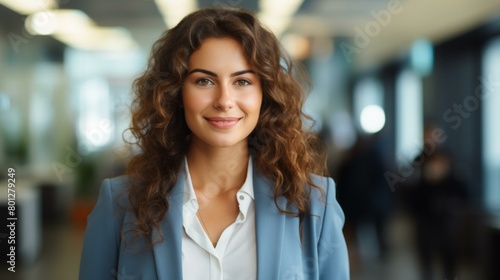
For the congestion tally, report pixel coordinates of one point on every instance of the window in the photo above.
(409, 116)
(490, 96)
(100, 93)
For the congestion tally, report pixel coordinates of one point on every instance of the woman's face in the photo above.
(221, 95)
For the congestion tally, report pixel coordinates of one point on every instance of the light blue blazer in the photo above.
(280, 253)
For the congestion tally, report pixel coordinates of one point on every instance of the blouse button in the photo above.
(242, 197)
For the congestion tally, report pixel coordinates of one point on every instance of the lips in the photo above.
(222, 122)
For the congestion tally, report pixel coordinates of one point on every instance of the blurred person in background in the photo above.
(436, 201)
(223, 185)
(365, 197)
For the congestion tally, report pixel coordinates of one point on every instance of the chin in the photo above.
(225, 143)
(219, 140)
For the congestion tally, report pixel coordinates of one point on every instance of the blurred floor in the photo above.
(60, 258)
(401, 261)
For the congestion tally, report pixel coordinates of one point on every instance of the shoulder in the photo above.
(113, 194)
(324, 229)
(116, 184)
(322, 191)
(322, 181)
(323, 203)
(103, 233)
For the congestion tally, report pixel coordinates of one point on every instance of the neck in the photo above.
(217, 170)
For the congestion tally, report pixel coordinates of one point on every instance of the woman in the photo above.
(223, 185)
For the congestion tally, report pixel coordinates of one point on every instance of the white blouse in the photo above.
(235, 256)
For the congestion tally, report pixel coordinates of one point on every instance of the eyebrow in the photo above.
(215, 75)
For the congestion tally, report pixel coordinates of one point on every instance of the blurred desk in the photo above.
(28, 224)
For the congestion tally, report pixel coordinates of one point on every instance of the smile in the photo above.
(223, 123)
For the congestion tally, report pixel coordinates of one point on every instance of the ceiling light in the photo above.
(276, 24)
(76, 29)
(173, 10)
(26, 7)
(99, 38)
(280, 7)
(277, 14)
(57, 21)
(372, 118)
(296, 46)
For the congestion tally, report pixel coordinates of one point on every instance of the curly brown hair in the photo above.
(281, 148)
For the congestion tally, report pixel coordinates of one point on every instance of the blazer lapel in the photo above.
(168, 254)
(270, 226)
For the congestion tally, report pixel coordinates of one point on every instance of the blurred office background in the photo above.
(406, 95)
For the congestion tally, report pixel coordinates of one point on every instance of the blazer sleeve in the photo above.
(101, 241)
(332, 250)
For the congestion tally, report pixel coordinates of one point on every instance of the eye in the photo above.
(242, 82)
(204, 82)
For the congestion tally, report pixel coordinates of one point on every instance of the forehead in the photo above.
(218, 52)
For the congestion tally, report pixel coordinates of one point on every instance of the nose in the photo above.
(224, 99)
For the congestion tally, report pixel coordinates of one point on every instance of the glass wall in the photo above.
(409, 116)
(490, 95)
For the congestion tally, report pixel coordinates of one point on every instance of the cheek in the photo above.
(190, 109)
(193, 103)
(252, 105)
